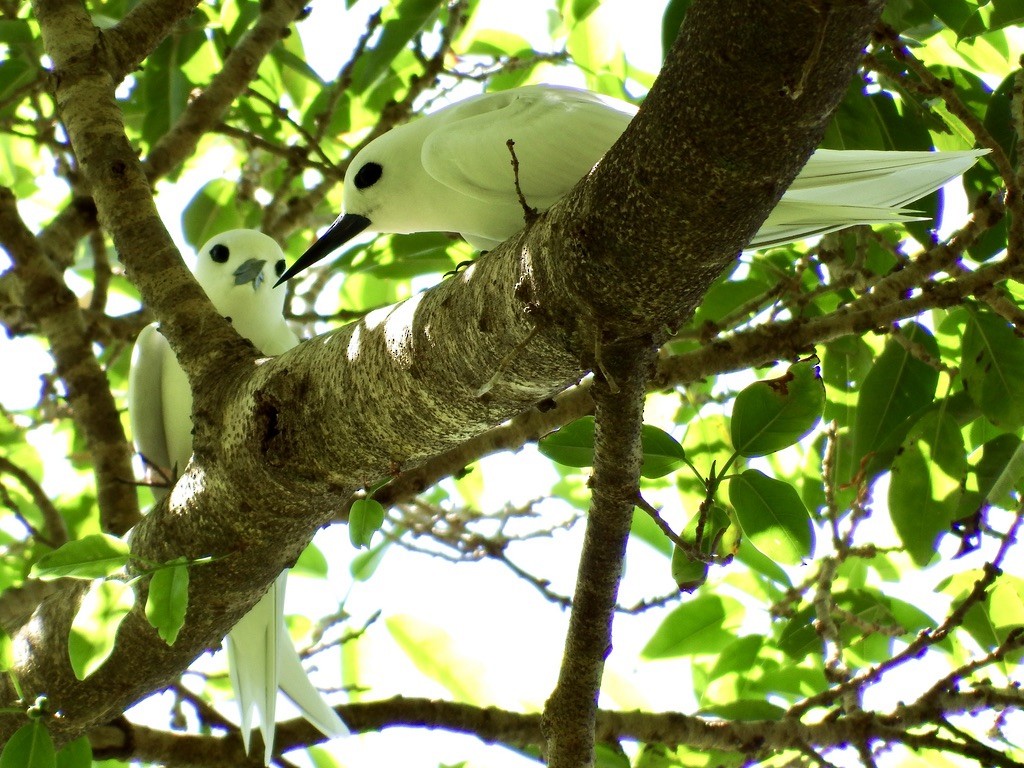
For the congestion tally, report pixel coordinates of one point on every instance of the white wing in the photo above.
(145, 396)
(838, 189)
(559, 135)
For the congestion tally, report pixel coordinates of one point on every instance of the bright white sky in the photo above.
(497, 623)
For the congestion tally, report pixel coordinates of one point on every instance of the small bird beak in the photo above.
(250, 271)
(340, 232)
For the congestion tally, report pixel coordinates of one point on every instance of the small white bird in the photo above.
(236, 270)
(451, 171)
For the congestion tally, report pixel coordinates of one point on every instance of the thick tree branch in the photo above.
(141, 30)
(493, 725)
(569, 716)
(281, 444)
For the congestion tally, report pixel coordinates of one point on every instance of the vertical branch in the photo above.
(56, 309)
(570, 714)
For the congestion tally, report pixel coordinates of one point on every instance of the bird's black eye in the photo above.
(368, 175)
(220, 253)
(279, 267)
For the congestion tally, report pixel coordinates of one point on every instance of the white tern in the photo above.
(237, 270)
(452, 171)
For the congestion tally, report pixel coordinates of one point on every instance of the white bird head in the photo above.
(237, 269)
(382, 175)
(452, 171)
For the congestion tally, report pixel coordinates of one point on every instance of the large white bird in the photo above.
(237, 270)
(451, 171)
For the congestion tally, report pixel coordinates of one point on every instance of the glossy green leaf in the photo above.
(29, 747)
(924, 487)
(772, 516)
(770, 415)
(165, 84)
(92, 557)
(167, 600)
(701, 625)
(897, 387)
(75, 754)
(992, 367)
(365, 518)
(572, 445)
(662, 452)
(94, 628)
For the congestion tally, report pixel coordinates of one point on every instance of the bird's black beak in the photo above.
(340, 232)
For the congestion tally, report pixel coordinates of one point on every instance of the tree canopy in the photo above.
(786, 483)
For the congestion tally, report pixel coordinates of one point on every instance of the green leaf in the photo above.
(164, 84)
(75, 754)
(311, 563)
(15, 31)
(29, 747)
(435, 654)
(671, 21)
(364, 519)
(211, 210)
(572, 445)
(992, 367)
(168, 599)
(662, 452)
(411, 16)
(999, 470)
(726, 296)
(772, 516)
(897, 387)
(91, 557)
(770, 415)
(1005, 13)
(690, 572)
(95, 626)
(846, 362)
(605, 756)
(926, 479)
(1001, 612)
(799, 638)
(702, 625)
(364, 564)
(757, 561)
(737, 657)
